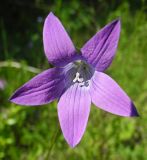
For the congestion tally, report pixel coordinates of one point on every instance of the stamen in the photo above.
(77, 78)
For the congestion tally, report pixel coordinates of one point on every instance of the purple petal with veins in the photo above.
(43, 88)
(58, 46)
(107, 95)
(73, 112)
(100, 50)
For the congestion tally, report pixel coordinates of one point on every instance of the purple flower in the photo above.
(77, 79)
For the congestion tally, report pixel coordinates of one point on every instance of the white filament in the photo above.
(77, 78)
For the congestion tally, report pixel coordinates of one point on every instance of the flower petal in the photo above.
(107, 95)
(100, 49)
(42, 89)
(73, 113)
(58, 46)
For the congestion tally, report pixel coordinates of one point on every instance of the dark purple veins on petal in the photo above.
(100, 50)
(107, 95)
(42, 89)
(73, 112)
(58, 46)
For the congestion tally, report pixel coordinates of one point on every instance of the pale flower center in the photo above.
(83, 73)
(78, 72)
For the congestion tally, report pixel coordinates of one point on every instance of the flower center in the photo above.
(78, 72)
(83, 73)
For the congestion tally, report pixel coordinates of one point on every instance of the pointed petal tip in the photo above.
(11, 98)
(50, 15)
(134, 112)
(117, 22)
(14, 100)
(135, 115)
(73, 144)
(22, 103)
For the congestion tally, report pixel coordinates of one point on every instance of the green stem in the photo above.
(19, 66)
(53, 143)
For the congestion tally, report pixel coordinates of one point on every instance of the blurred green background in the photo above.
(32, 133)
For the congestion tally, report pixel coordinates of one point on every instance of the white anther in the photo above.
(77, 78)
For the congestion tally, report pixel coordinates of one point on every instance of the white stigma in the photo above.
(77, 78)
